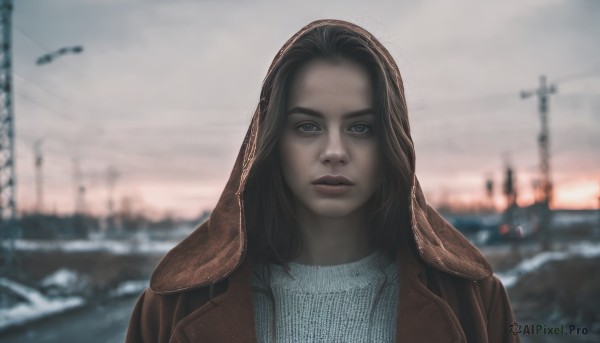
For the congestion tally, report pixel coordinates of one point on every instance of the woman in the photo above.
(322, 233)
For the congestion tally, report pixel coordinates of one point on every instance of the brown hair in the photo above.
(273, 235)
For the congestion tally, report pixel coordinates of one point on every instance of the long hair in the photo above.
(273, 233)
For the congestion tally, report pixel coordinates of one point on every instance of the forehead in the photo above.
(331, 87)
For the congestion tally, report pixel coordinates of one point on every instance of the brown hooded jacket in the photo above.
(201, 289)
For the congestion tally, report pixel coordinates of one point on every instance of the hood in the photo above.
(218, 246)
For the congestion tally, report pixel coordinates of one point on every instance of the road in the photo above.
(105, 323)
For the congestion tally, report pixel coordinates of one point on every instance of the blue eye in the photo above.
(305, 126)
(362, 128)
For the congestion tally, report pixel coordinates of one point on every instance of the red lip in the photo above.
(333, 179)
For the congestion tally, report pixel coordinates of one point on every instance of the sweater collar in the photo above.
(329, 278)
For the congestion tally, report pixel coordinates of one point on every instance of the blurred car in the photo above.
(519, 223)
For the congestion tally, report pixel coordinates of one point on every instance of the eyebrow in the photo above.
(310, 112)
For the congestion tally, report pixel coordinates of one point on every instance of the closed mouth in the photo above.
(333, 180)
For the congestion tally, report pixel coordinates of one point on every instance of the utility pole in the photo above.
(489, 191)
(9, 231)
(510, 214)
(537, 191)
(111, 178)
(79, 223)
(509, 188)
(545, 182)
(39, 181)
(79, 188)
(543, 92)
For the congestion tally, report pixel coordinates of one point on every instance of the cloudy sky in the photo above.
(164, 92)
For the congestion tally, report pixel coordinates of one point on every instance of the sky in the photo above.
(164, 92)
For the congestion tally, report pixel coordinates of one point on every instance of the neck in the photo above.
(331, 241)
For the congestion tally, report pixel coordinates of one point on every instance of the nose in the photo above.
(335, 150)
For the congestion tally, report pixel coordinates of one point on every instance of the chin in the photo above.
(330, 210)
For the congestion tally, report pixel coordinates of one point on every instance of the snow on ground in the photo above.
(129, 288)
(565, 219)
(583, 249)
(110, 246)
(63, 278)
(36, 305)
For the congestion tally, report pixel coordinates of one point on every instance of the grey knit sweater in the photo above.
(338, 303)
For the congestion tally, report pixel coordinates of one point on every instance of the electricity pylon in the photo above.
(9, 230)
(543, 92)
(545, 181)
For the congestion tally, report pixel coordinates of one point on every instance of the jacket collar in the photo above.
(421, 315)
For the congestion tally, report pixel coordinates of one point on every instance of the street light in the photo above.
(47, 58)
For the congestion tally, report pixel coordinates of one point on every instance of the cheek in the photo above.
(289, 157)
(372, 167)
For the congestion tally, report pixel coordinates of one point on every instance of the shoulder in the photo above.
(488, 293)
(497, 310)
(155, 315)
(494, 297)
(490, 286)
(478, 303)
(147, 322)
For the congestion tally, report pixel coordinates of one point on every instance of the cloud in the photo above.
(165, 90)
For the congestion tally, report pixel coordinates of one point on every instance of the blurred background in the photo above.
(121, 120)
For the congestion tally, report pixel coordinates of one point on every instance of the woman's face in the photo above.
(330, 130)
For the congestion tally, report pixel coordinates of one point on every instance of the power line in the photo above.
(44, 48)
(37, 103)
(504, 96)
(95, 129)
(31, 38)
(26, 97)
(84, 106)
(90, 108)
(46, 89)
(590, 73)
